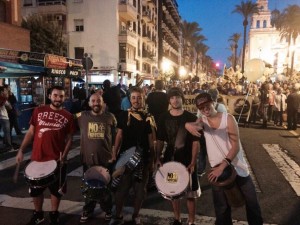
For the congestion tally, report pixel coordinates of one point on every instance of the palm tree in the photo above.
(45, 36)
(191, 36)
(235, 40)
(246, 9)
(288, 23)
(201, 50)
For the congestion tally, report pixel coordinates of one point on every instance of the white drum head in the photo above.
(40, 169)
(172, 179)
(97, 173)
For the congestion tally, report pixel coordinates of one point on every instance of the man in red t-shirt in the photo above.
(51, 128)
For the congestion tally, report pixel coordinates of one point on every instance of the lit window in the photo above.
(79, 25)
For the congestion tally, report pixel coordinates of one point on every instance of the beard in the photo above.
(96, 109)
(56, 104)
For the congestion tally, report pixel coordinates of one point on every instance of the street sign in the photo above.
(87, 63)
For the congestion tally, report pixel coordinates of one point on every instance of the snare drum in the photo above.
(172, 180)
(94, 182)
(41, 174)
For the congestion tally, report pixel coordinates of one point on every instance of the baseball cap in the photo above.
(203, 98)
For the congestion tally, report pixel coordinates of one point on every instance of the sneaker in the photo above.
(108, 216)
(37, 218)
(137, 220)
(177, 222)
(116, 221)
(54, 218)
(85, 216)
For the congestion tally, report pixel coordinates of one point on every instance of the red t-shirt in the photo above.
(51, 130)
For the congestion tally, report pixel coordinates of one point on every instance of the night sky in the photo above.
(218, 22)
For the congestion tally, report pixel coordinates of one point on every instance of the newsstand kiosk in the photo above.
(31, 74)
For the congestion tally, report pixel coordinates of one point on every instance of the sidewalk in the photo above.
(16, 141)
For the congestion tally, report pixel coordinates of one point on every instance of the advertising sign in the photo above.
(55, 61)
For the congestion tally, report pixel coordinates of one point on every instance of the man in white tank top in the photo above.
(223, 148)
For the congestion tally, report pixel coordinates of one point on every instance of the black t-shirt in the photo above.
(157, 104)
(135, 132)
(167, 129)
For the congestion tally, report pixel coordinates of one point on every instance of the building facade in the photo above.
(265, 42)
(122, 37)
(12, 35)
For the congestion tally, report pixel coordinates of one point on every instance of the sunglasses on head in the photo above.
(203, 106)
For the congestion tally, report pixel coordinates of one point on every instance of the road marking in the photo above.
(288, 167)
(71, 207)
(12, 160)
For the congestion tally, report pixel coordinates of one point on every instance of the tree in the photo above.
(191, 37)
(45, 36)
(246, 9)
(234, 45)
(288, 23)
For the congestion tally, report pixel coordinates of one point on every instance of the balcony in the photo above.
(127, 11)
(146, 16)
(128, 65)
(129, 37)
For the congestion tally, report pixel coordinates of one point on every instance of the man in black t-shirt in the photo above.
(157, 101)
(134, 130)
(185, 151)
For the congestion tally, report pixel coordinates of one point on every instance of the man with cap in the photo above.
(193, 128)
(224, 148)
(171, 129)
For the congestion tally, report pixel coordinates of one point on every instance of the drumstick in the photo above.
(161, 173)
(16, 174)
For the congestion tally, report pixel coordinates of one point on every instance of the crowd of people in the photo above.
(131, 133)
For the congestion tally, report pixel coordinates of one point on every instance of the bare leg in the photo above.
(176, 209)
(191, 205)
(54, 203)
(38, 203)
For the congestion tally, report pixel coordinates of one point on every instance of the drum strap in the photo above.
(180, 137)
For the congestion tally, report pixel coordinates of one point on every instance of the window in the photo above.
(258, 24)
(79, 25)
(79, 52)
(264, 24)
(27, 3)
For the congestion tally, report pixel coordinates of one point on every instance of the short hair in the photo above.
(175, 91)
(60, 88)
(159, 85)
(135, 89)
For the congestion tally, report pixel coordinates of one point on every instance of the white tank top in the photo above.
(218, 146)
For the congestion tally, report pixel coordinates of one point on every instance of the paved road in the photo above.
(272, 153)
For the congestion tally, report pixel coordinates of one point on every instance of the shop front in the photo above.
(31, 75)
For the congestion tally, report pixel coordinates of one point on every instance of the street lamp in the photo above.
(182, 71)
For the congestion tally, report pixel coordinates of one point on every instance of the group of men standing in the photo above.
(105, 141)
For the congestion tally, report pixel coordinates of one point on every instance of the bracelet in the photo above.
(228, 161)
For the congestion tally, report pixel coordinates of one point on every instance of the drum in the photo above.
(131, 158)
(94, 182)
(172, 180)
(41, 174)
